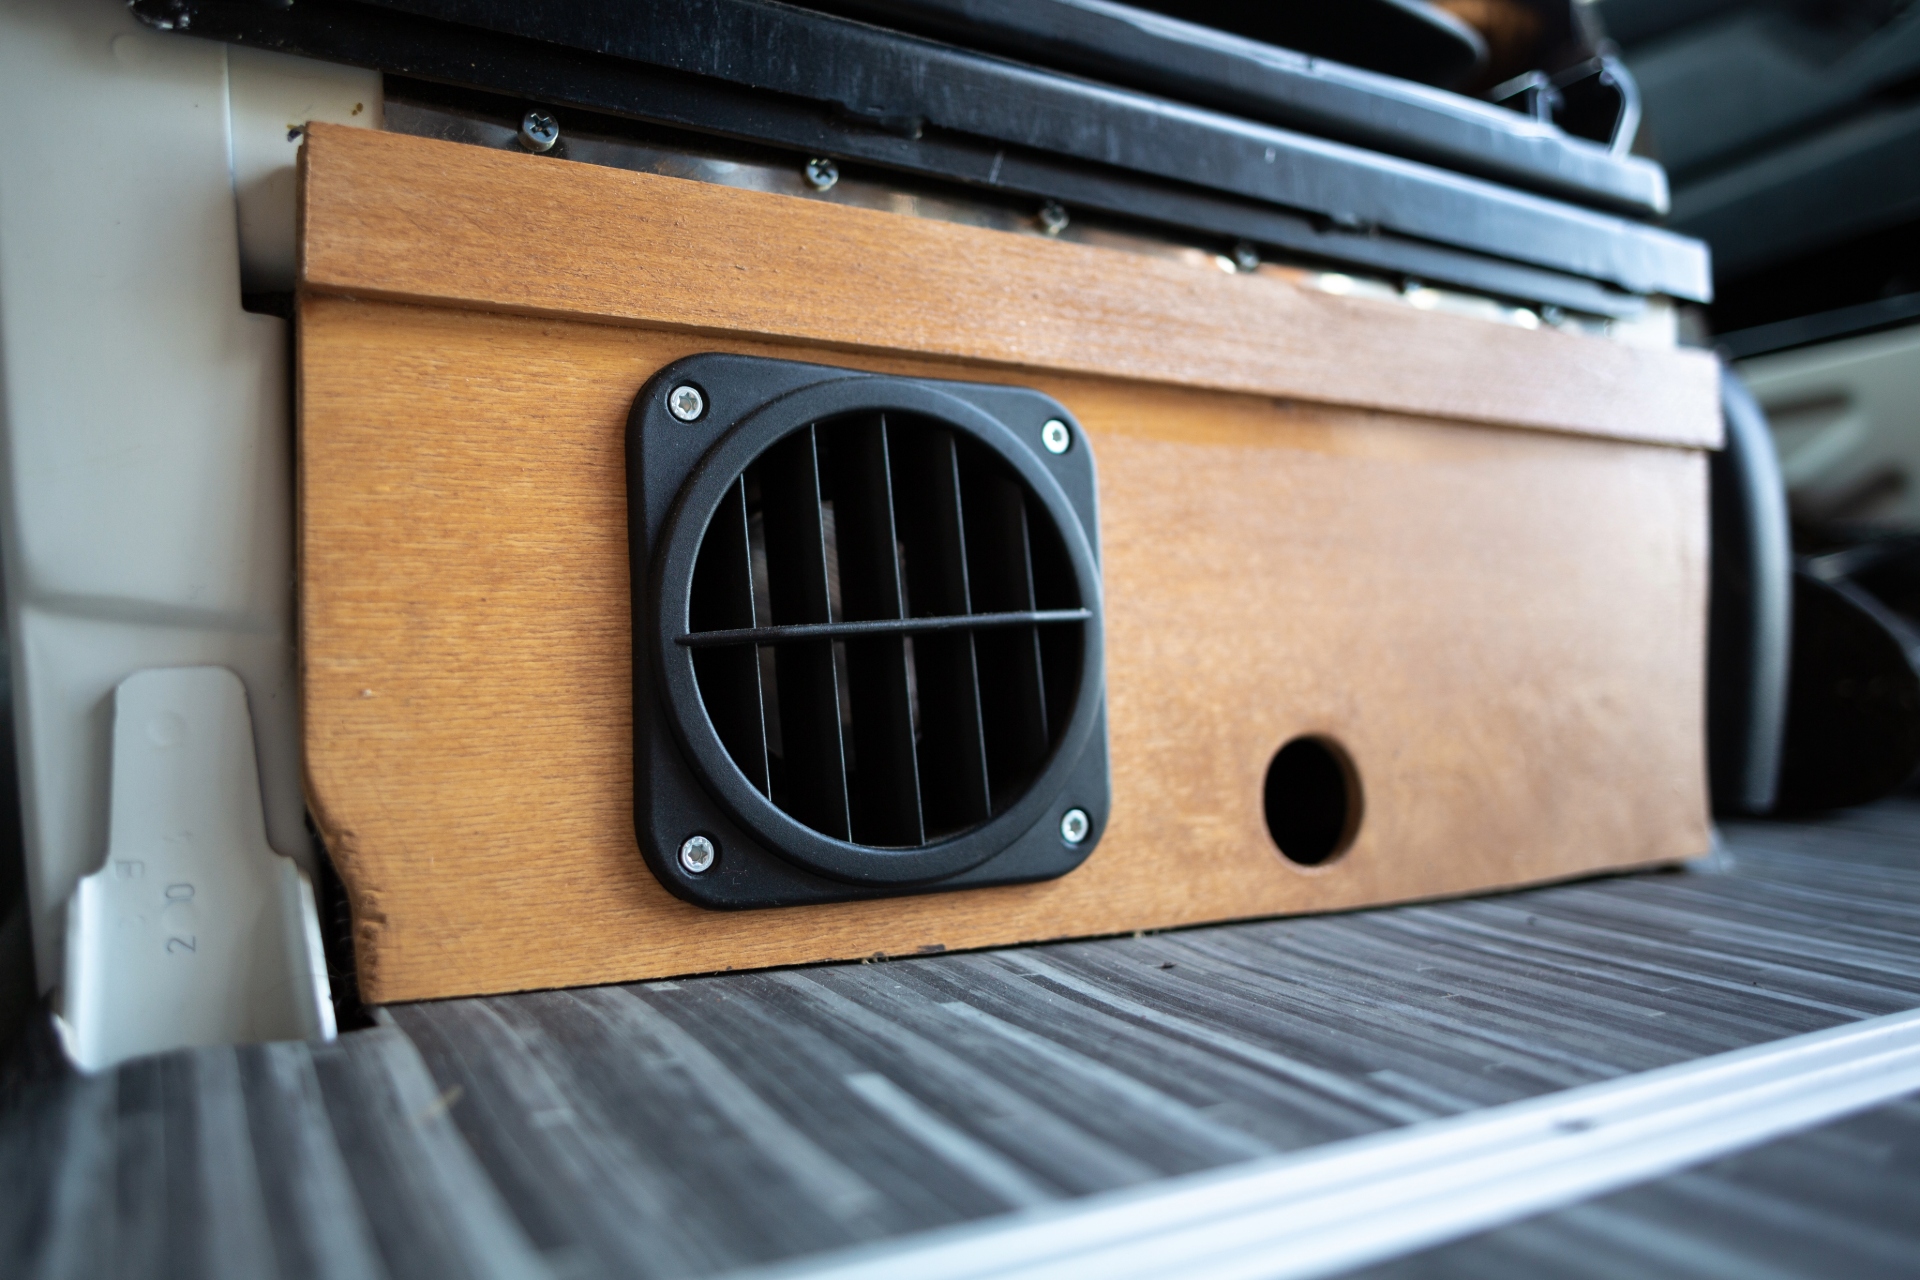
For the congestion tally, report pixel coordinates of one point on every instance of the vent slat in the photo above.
(722, 599)
(885, 782)
(953, 756)
(813, 753)
(1013, 689)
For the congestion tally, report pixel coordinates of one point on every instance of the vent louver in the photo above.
(874, 627)
(886, 630)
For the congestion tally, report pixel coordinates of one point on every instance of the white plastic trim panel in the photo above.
(145, 464)
(195, 932)
(270, 98)
(1344, 1205)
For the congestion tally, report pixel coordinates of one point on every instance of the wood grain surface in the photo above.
(1504, 628)
(411, 219)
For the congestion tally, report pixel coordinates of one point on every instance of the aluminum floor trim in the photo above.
(1351, 1203)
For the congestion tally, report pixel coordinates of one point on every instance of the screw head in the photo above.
(822, 174)
(538, 131)
(686, 403)
(1074, 825)
(1246, 257)
(1053, 217)
(697, 854)
(1056, 437)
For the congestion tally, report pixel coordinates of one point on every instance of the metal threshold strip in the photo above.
(1348, 1204)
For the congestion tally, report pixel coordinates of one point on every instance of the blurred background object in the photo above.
(1790, 131)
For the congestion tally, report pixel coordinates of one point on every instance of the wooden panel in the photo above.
(1504, 628)
(388, 216)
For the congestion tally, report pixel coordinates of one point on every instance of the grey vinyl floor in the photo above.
(687, 1128)
(1842, 1201)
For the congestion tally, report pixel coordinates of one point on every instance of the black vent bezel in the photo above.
(680, 473)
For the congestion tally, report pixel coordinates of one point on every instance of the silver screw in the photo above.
(1246, 257)
(822, 174)
(697, 854)
(1074, 825)
(686, 403)
(1057, 439)
(538, 131)
(1053, 217)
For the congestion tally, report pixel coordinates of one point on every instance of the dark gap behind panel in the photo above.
(814, 777)
(729, 676)
(884, 782)
(1012, 693)
(953, 766)
(1054, 588)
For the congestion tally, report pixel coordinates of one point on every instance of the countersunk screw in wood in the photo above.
(697, 854)
(822, 174)
(686, 403)
(538, 131)
(1074, 825)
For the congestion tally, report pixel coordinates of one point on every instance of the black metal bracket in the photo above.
(1202, 65)
(767, 72)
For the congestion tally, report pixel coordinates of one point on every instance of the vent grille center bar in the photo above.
(887, 626)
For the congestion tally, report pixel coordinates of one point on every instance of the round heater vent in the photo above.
(878, 625)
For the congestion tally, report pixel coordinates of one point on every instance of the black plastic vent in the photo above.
(868, 657)
(886, 629)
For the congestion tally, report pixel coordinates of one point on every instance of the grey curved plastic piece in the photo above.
(1758, 651)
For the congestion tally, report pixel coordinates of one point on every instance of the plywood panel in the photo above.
(388, 216)
(1503, 627)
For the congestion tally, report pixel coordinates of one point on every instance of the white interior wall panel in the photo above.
(146, 502)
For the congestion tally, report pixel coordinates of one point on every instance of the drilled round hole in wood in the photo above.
(1312, 800)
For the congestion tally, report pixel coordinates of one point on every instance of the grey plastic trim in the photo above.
(1822, 326)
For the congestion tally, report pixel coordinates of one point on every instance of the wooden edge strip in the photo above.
(408, 219)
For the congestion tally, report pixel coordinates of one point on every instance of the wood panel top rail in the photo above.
(410, 219)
